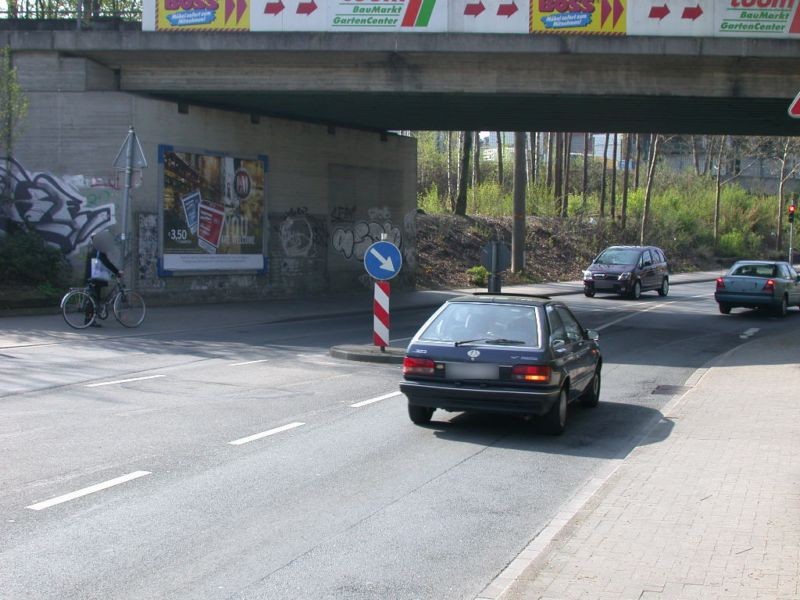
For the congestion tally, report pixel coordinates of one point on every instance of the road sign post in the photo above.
(792, 210)
(129, 157)
(382, 260)
(496, 257)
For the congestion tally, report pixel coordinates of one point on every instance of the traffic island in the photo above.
(369, 353)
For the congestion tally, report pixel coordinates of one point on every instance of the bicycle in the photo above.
(80, 309)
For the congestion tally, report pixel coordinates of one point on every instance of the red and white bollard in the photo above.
(380, 309)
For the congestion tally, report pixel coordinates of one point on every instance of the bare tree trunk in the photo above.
(638, 160)
(518, 225)
(550, 166)
(558, 176)
(614, 178)
(709, 155)
(585, 183)
(718, 193)
(625, 179)
(648, 194)
(695, 155)
(477, 158)
(500, 173)
(603, 179)
(532, 156)
(463, 180)
(450, 169)
(565, 194)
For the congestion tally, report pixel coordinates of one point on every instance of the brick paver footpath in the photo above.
(707, 507)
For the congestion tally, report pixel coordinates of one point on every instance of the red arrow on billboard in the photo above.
(306, 8)
(229, 8)
(618, 10)
(659, 12)
(794, 107)
(473, 10)
(506, 10)
(274, 8)
(241, 7)
(606, 10)
(692, 12)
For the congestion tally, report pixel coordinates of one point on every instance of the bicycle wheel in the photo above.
(129, 309)
(78, 309)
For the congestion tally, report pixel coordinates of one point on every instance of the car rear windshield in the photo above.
(618, 256)
(476, 322)
(755, 271)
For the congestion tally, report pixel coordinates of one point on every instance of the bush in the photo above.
(478, 275)
(25, 259)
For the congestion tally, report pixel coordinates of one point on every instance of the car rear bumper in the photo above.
(746, 300)
(474, 397)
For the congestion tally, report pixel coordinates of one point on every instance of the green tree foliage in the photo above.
(682, 203)
(13, 102)
(130, 10)
(25, 259)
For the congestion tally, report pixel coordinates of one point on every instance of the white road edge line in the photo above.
(749, 333)
(123, 380)
(378, 399)
(263, 434)
(88, 490)
(249, 362)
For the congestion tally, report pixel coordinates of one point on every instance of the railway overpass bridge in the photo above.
(447, 81)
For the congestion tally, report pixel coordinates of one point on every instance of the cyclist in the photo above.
(98, 270)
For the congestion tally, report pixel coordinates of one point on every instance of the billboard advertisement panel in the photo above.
(396, 16)
(677, 18)
(202, 15)
(585, 17)
(212, 211)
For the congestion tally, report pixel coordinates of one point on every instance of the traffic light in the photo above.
(792, 209)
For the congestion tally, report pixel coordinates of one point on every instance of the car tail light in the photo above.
(769, 286)
(531, 373)
(720, 283)
(418, 366)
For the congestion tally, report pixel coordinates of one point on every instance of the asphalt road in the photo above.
(256, 466)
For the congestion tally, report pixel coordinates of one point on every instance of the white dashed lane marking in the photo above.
(88, 490)
(123, 380)
(263, 434)
(378, 399)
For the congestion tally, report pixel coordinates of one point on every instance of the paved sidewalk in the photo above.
(708, 510)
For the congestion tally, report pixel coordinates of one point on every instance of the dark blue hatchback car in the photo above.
(502, 353)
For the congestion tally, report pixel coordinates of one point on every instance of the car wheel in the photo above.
(780, 310)
(419, 415)
(588, 293)
(664, 289)
(724, 308)
(636, 292)
(591, 397)
(555, 420)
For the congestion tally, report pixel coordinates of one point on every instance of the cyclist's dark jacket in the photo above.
(95, 253)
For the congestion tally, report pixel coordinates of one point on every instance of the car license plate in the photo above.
(471, 371)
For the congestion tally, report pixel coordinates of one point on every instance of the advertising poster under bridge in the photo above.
(212, 211)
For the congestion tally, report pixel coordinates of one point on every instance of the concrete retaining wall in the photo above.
(329, 192)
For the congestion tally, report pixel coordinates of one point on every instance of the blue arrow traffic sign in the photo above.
(383, 260)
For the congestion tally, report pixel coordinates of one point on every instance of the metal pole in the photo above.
(126, 194)
(791, 236)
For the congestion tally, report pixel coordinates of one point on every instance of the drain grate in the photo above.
(671, 390)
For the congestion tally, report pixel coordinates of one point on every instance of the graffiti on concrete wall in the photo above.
(56, 207)
(301, 234)
(352, 238)
(148, 250)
